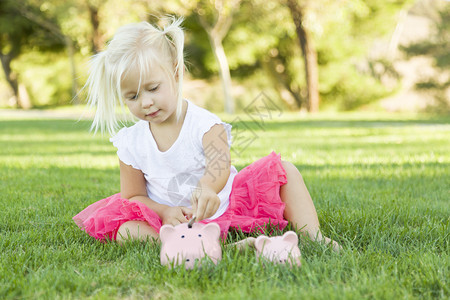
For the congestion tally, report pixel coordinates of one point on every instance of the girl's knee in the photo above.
(290, 168)
(125, 231)
(129, 225)
(135, 230)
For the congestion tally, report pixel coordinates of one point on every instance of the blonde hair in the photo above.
(141, 45)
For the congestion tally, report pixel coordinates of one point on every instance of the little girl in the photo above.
(175, 161)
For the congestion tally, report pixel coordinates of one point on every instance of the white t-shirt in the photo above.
(172, 175)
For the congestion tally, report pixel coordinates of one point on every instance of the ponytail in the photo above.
(175, 36)
(102, 95)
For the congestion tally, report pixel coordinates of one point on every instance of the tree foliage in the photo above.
(261, 45)
(18, 34)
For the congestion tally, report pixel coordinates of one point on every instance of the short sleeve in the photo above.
(228, 131)
(122, 142)
(206, 125)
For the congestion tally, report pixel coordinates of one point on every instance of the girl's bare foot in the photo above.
(335, 245)
(245, 243)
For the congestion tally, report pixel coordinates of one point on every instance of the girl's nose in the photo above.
(147, 101)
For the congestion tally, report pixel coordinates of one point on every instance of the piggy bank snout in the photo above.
(285, 256)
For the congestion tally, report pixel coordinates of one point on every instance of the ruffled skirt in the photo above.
(254, 203)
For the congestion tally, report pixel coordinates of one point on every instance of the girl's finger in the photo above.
(196, 197)
(183, 219)
(211, 209)
(194, 202)
(186, 210)
(181, 216)
(179, 220)
(201, 208)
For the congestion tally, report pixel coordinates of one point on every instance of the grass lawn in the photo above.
(381, 186)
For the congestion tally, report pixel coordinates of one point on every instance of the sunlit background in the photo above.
(327, 55)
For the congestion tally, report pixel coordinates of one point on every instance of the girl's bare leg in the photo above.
(139, 230)
(300, 208)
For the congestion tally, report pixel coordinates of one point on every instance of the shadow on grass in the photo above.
(275, 125)
(44, 126)
(58, 148)
(62, 125)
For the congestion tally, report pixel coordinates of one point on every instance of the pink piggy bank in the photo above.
(279, 249)
(183, 244)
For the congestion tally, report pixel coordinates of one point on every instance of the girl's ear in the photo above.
(260, 242)
(165, 232)
(212, 230)
(291, 237)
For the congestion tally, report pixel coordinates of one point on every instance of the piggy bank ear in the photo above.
(261, 241)
(291, 237)
(212, 230)
(165, 232)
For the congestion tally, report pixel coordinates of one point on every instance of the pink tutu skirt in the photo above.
(254, 203)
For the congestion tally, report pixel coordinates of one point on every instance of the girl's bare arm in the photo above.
(217, 160)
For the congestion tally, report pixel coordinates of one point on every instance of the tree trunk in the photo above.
(11, 77)
(216, 33)
(282, 84)
(395, 39)
(97, 39)
(224, 72)
(309, 56)
(24, 98)
(71, 54)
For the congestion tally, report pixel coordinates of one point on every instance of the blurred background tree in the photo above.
(19, 34)
(299, 11)
(216, 18)
(436, 47)
(260, 42)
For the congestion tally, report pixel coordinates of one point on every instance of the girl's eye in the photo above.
(154, 88)
(133, 97)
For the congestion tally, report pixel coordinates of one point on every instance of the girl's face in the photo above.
(155, 100)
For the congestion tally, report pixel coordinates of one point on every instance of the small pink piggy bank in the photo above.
(183, 244)
(279, 249)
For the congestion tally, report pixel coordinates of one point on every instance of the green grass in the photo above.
(380, 184)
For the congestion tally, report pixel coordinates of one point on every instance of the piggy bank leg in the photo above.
(136, 230)
(300, 208)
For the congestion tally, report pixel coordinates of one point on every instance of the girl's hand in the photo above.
(205, 202)
(176, 215)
